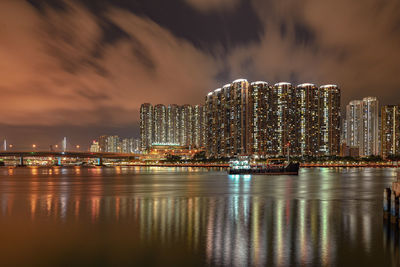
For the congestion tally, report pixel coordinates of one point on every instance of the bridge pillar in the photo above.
(100, 161)
(21, 161)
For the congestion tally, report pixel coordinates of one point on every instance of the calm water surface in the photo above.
(187, 217)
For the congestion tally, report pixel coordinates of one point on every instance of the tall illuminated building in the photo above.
(198, 126)
(160, 124)
(227, 129)
(172, 123)
(126, 145)
(185, 125)
(329, 120)
(238, 128)
(258, 119)
(370, 129)
(102, 143)
(113, 144)
(362, 118)
(94, 147)
(282, 120)
(213, 131)
(146, 125)
(354, 123)
(390, 130)
(222, 114)
(306, 139)
(258, 107)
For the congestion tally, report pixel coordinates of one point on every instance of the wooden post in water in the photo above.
(394, 208)
(386, 202)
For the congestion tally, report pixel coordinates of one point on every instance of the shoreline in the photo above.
(304, 165)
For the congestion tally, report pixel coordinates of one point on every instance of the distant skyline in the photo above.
(83, 68)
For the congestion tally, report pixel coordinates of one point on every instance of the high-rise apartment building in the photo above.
(283, 120)
(354, 123)
(113, 144)
(173, 116)
(238, 101)
(146, 125)
(227, 120)
(181, 125)
(390, 130)
(103, 143)
(94, 147)
(257, 119)
(306, 119)
(126, 145)
(370, 129)
(198, 126)
(363, 125)
(137, 146)
(329, 120)
(160, 124)
(185, 125)
(258, 107)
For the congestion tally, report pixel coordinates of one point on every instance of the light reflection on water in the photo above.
(323, 217)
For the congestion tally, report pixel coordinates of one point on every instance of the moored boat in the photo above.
(243, 166)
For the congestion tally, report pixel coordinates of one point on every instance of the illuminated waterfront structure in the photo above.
(198, 126)
(329, 120)
(103, 143)
(146, 125)
(113, 144)
(238, 126)
(282, 122)
(259, 112)
(94, 147)
(354, 123)
(363, 125)
(263, 120)
(183, 125)
(160, 125)
(306, 119)
(370, 129)
(390, 127)
(172, 130)
(227, 120)
(126, 145)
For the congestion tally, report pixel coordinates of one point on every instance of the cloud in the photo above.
(354, 44)
(57, 69)
(213, 5)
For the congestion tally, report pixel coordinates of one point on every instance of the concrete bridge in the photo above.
(68, 154)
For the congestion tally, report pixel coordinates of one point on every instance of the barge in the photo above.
(242, 166)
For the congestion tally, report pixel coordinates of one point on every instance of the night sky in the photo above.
(82, 68)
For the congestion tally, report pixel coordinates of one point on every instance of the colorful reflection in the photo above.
(250, 221)
(234, 231)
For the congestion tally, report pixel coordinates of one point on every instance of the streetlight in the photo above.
(78, 146)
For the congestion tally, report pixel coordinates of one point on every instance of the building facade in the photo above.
(306, 119)
(178, 125)
(160, 124)
(362, 118)
(354, 123)
(390, 130)
(263, 120)
(370, 129)
(329, 120)
(146, 125)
